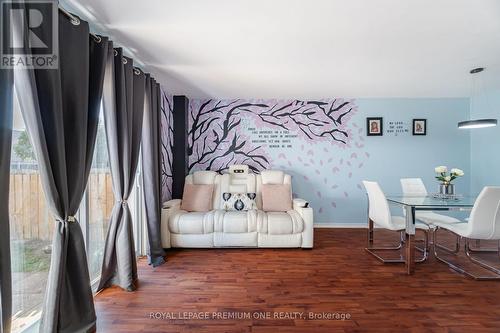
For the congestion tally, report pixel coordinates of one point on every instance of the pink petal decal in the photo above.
(317, 171)
(350, 174)
(312, 161)
(334, 205)
(348, 163)
(299, 158)
(289, 163)
(325, 150)
(306, 178)
(334, 186)
(320, 162)
(359, 186)
(346, 194)
(318, 193)
(360, 165)
(354, 155)
(335, 170)
(310, 152)
(330, 160)
(281, 155)
(367, 154)
(325, 180)
(320, 210)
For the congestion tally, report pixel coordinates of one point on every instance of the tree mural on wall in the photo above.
(167, 142)
(215, 139)
(219, 135)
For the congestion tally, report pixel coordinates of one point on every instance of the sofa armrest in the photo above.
(168, 208)
(301, 206)
(174, 203)
(299, 203)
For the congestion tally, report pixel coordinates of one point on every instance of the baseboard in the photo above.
(340, 225)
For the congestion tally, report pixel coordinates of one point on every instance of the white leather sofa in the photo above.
(252, 228)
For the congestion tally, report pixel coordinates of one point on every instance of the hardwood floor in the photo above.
(337, 276)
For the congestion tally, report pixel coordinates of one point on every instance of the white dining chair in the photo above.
(415, 187)
(379, 214)
(483, 224)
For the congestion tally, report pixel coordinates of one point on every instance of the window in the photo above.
(31, 230)
(100, 201)
(135, 203)
(98, 204)
(32, 225)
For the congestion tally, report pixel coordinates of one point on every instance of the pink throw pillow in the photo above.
(276, 198)
(197, 198)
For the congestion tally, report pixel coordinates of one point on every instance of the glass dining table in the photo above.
(411, 204)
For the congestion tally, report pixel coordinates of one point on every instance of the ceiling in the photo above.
(306, 49)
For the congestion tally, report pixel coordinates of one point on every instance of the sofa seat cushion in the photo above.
(236, 222)
(272, 223)
(183, 222)
(280, 223)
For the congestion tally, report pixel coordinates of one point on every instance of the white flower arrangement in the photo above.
(446, 178)
(441, 169)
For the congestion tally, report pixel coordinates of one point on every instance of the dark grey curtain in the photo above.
(62, 123)
(5, 144)
(151, 168)
(123, 112)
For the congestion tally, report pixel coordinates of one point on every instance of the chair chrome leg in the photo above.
(460, 269)
(425, 251)
(445, 248)
(371, 249)
(382, 259)
(370, 239)
(436, 255)
(478, 249)
(370, 232)
(482, 263)
(427, 242)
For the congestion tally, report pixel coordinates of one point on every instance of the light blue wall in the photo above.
(392, 158)
(329, 174)
(485, 143)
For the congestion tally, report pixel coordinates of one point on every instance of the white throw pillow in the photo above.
(239, 201)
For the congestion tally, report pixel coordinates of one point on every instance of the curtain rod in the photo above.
(76, 21)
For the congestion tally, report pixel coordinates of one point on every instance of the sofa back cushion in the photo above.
(276, 198)
(236, 182)
(204, 177)
(197, 198)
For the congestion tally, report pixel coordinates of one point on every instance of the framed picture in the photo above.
(419, 126)
(374, 126)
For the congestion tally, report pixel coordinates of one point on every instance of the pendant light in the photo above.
(476, 123)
